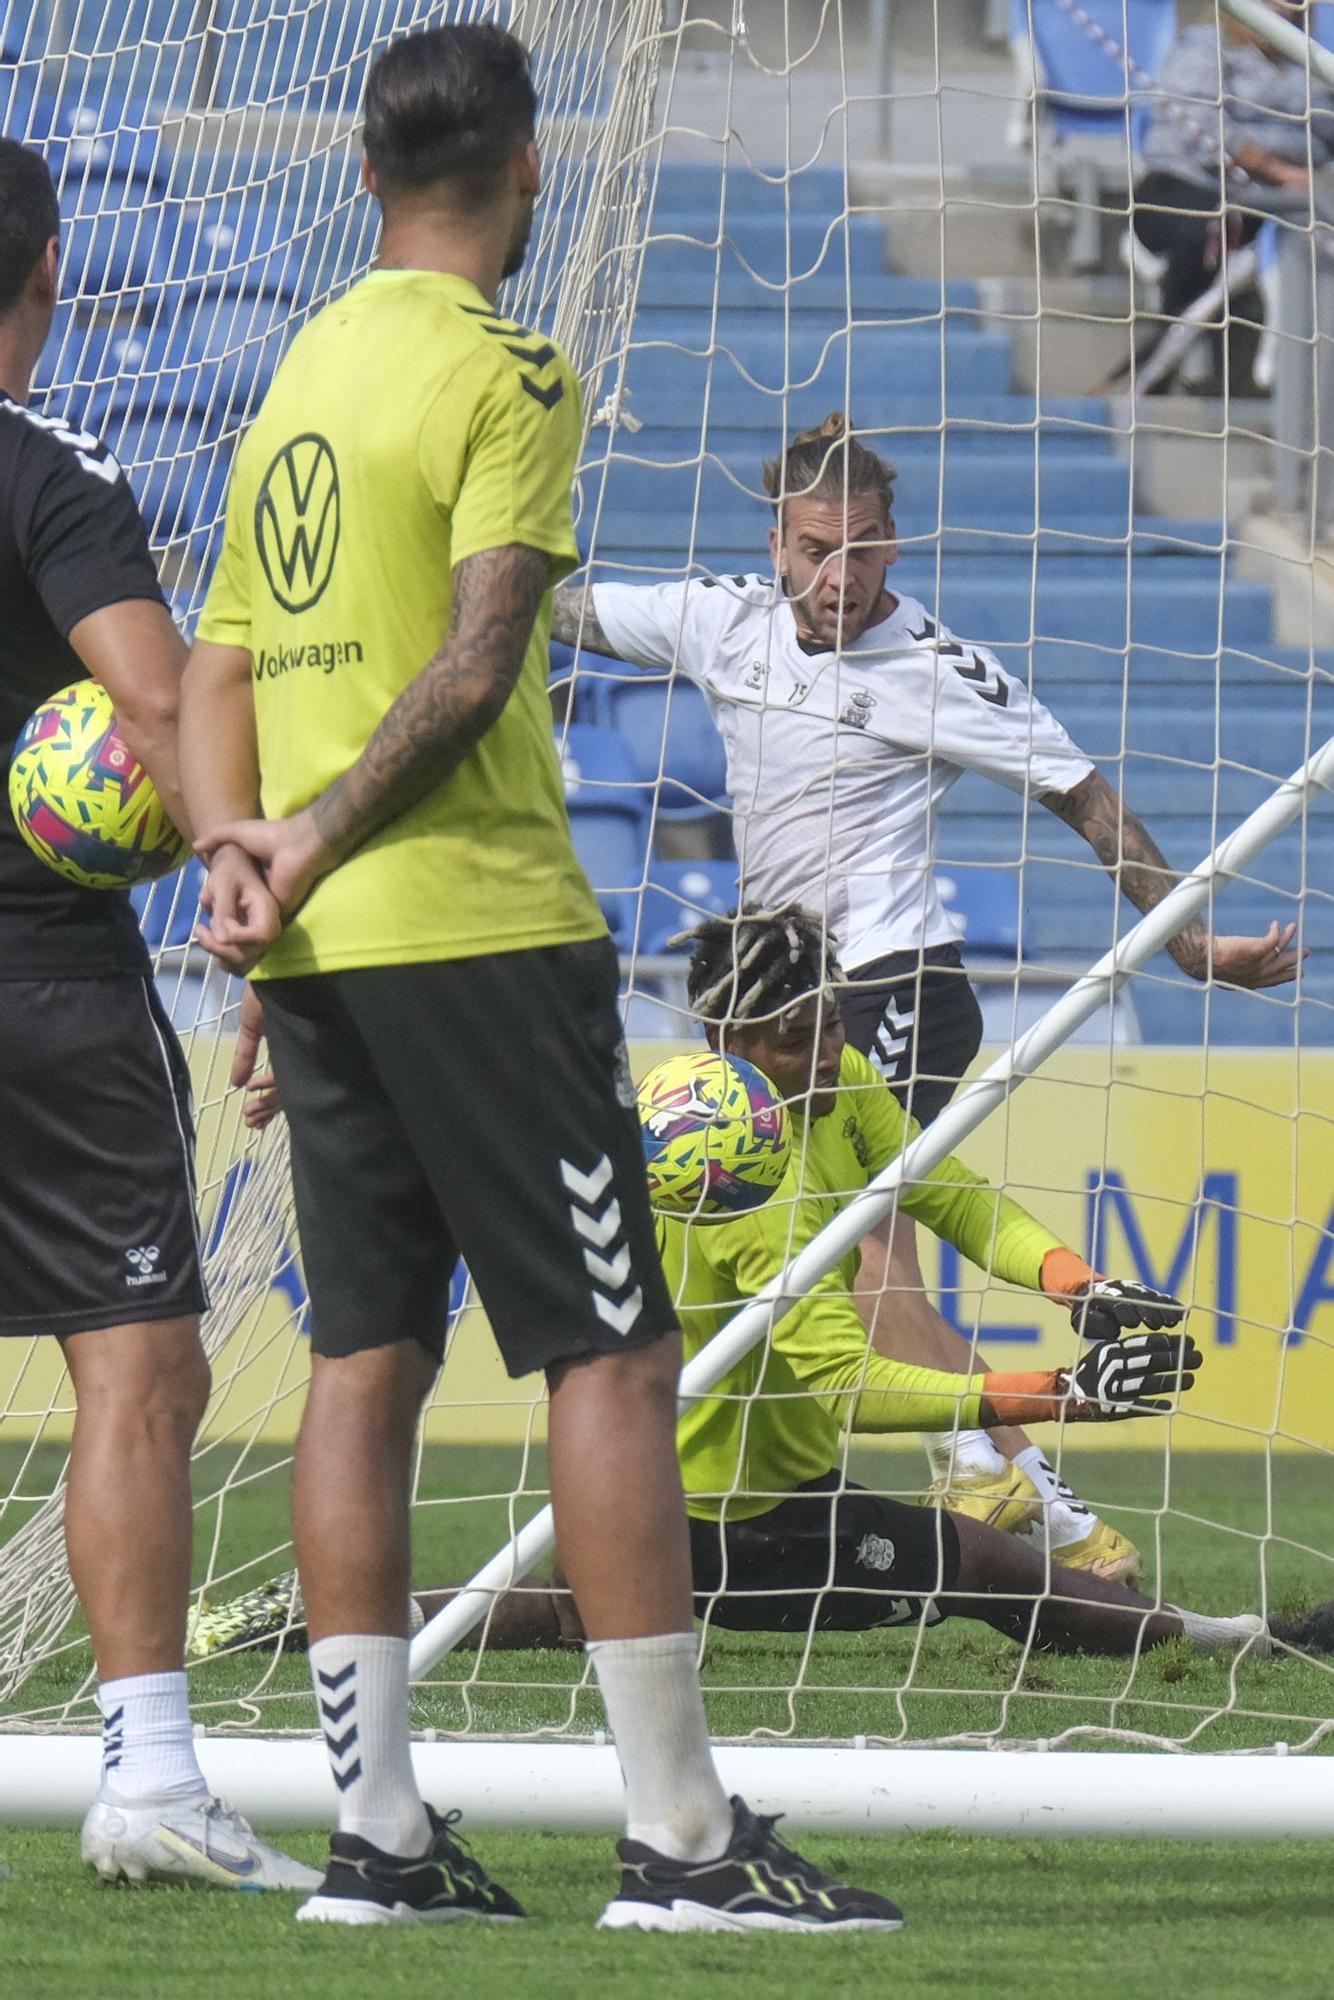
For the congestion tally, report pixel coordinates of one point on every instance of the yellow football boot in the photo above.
(1102, 1552)
(1006, 1500)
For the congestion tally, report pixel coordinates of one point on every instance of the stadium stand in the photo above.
(1015, 513)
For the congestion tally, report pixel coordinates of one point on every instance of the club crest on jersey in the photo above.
(858, 709)
(298, 516)
(876, 1552)
(856, 1138)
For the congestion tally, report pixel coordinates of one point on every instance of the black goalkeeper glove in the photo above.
(1107, 1306)
(1134, 1377)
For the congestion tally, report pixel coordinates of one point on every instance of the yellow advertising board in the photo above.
(1209, 1174)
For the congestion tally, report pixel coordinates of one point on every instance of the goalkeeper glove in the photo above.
(1133, 1377)
(1107, 1306)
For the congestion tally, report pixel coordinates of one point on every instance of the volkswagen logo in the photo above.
(297, 519)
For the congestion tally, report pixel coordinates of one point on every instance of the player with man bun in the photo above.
(848, 712)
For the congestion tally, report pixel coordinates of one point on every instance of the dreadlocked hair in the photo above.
(829, 463)
(753, 963)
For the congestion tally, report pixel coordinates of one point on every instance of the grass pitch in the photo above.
(1121, 1918)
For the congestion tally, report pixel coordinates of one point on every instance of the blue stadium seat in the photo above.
(976, 485)
(88, 146)
(244, 245)
(20, 72)
(812, 190)
(752, 364)
(984, 902)
(774, 248)
(164, 410)
(608, 805)
(147, 50)
(679, 895)
(288, 48)
(168, 909)
(893, 420)
(665, 723)
(676, 270)
(1084, 84)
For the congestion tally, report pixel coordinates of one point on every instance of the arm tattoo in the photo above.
(574, 621)
(1129, 853)
(450, 704)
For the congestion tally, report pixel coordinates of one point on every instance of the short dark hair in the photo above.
(827, 463)
(450, 104)
(754, 963)
(29, 217)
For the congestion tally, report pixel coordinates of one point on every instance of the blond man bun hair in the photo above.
(829, 463)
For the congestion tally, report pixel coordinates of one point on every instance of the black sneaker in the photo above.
(756, 1884)
(363, 1885)
(1312, 1634)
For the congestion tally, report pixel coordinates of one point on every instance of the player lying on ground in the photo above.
(98, 1241)
(780, 1541)
(847, 713)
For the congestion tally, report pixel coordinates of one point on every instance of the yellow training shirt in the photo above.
(777, 1420)
(407, 429)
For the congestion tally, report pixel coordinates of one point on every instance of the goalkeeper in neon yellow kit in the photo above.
(780, 1539)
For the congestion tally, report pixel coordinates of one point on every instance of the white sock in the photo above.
(1065, 1518)
(674, 1801)
(361, 1692)
(148, 1744)
(961, 1452)
(1226, 1635)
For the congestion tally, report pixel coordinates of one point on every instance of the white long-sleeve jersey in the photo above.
(836, 762)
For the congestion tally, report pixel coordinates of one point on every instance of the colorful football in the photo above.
(716, 1136)
(80, 800)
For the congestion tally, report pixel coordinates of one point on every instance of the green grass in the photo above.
(1116, 1919)
(1121, 1917)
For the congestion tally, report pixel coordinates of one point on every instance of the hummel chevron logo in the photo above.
(587, 1187)
(340, 1745)
(598, 1230)
(334, 1681)
(548, 398)
(599, 1233)
(334, 1711)
(613, 1272)
(537, 357)
(622, 1317)
(349, 1777)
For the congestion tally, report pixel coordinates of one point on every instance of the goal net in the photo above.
(754, 215)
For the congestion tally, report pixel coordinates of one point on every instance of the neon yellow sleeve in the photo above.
(824, 1345)
(503, 470)
(992, 1231)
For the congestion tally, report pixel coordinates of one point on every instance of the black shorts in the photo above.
(97, 1199)
(479, 1108)
(832, 1558)
(917, 1018)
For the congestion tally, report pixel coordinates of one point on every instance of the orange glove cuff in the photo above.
(1064, 1275)
(1024, 1399)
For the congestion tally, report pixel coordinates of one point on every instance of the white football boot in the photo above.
(186, 1840)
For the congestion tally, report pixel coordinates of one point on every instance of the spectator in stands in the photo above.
(1234, 138)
